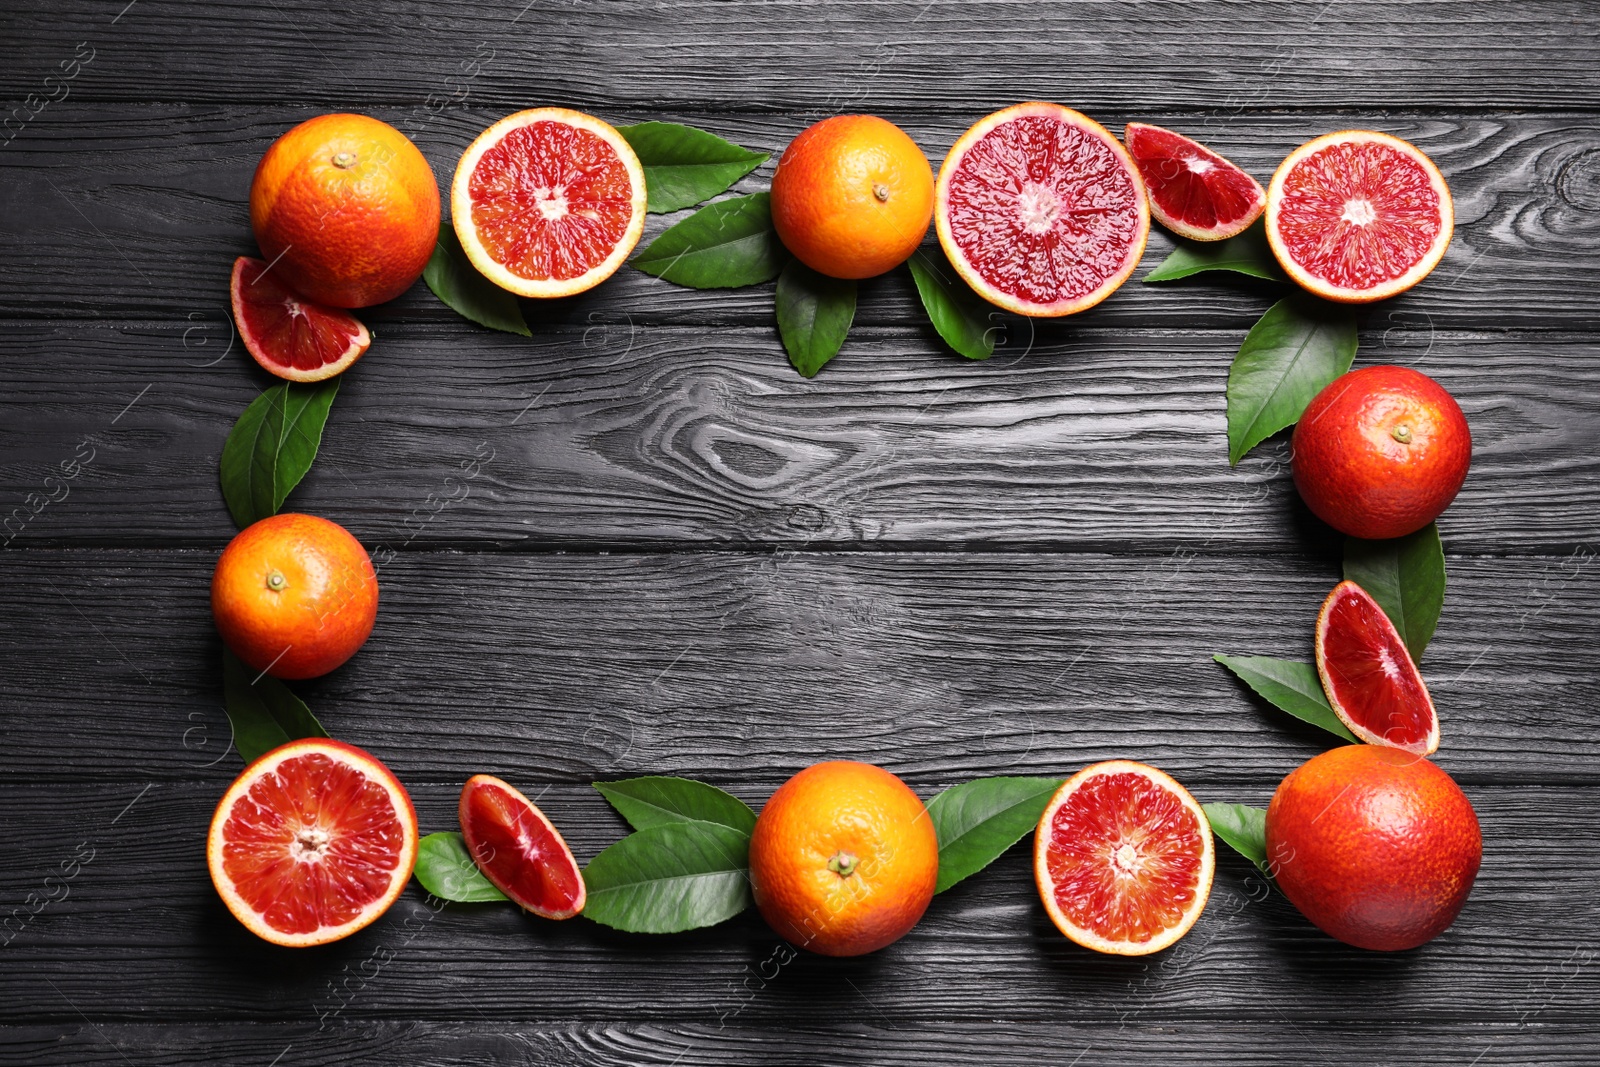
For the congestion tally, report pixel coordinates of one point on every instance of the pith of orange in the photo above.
(346, 210)
(852, 196)
(844, 859)
(294, 595)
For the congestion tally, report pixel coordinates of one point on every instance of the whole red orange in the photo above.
(294, 595)
(1381, 452)
(346, 210)
(1376, 846)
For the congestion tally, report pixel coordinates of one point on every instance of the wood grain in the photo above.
(868, 1038)
(1523, 948)
(801, 54)
(684, 559)
(744, 667)
(151, 229)
(1094, 440)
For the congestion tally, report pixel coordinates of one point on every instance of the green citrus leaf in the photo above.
(978, 820)
(1247, 253)
(263, 712)
(669, 878)
(684, 166)
(814, 314)
(1406, 577)
(250, 461)
(1298, 347)
(658, 801)
(960, 315)
(453, 279)
(1291, 686)
(721, 246)
(271, 447)
(1243, 829)
(445, 869)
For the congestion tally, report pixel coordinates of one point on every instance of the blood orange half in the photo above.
(548, 202)
(1041, 210)
(1193, 191)
(1357, 216)
(1123, 859)
(288, 334)
(1369, 676)
(312, 842)
(520, 850)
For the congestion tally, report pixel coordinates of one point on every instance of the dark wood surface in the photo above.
(685, 559)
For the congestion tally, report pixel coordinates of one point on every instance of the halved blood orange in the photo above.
(1194, 192)
(1357, 216)
(548, 202)
(287, 334)
(1123, 859)
(1369, 675)
(1041, 210)
(520, 850)
(312, 842)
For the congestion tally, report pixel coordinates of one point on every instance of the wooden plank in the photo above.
(743, 667)
(151, 229)
(803, 54)
(1523, 949)
(863, 1036)
(1096, 440)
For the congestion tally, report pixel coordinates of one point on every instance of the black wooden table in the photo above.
(685, 559)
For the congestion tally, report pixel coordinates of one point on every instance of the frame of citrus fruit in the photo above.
(1039, 211)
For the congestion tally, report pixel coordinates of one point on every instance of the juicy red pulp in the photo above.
(519, 851)
(312, 844)
(1124, 857)
(550, 201)
(1371, 676)
(294, 332)
(1358, 213)
(1189, 182)
(1044, 210)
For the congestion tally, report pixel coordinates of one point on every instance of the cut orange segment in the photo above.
(548, 202)
(1194, 192)
(1123, 859)
(313, 842)
(287, 334)
(520, 850)
(1357, 216)
(1369, 675)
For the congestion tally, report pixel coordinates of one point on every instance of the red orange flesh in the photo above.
(1123, 859)
(312, 842)
(287, 334)
(1041, 210)
(548, 202)
(1357, 216)
(520, 850)
(1369, 675)
(1194, 192)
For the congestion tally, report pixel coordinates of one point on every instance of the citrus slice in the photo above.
(548, 202)
(312, 842)
(1123, 859)
(519, 850)
(1193, 191)
(1369, 675)
(1357, 216)
(287, 334)
(1041, 210)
